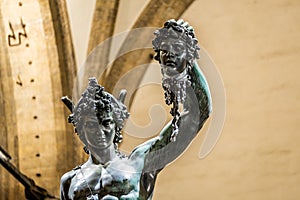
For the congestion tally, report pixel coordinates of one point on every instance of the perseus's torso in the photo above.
(118, 177)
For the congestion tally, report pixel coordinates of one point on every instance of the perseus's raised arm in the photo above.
(162, 149)
(196, 110)
(185, 89)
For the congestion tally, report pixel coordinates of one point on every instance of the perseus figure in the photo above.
(99, 118)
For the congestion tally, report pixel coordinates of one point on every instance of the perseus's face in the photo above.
(99, 133)
(173, 56)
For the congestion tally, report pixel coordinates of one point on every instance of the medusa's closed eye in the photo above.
(179, 47)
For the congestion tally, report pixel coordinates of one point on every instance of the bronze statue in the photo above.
(99, 118)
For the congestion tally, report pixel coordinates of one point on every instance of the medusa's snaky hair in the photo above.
(95, 101)
(181, 30)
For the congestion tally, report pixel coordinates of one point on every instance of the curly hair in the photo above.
(180, 30)
(95, 101)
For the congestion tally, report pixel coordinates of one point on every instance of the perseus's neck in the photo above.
(103, 156)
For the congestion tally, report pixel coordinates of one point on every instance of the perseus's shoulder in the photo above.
(67, 177)
(143, 149)
(65, 183)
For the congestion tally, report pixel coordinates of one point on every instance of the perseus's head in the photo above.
(176, 46)
(98, 117)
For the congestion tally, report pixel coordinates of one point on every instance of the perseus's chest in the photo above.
(116, 178)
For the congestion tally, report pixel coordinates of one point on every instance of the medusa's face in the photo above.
(173, 56)
(99, 133)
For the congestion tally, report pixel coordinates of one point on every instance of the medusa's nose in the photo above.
(170, 52)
